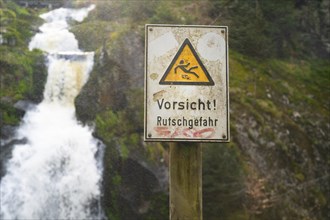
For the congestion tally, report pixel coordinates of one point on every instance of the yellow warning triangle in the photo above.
(186, 68)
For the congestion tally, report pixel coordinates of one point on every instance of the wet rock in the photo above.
(130, 185)
(138, 184)
(296, 115)
(6, 100)
(104, 90)
(24, 105)
(6, 153)
(7, 132)
(128, 54)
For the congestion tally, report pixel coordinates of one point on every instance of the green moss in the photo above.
(300, 177)
(92, 34)
(239, 215)
(248, 104)
(116, 179)
(239, 74)
(268, 106)
(9, 119)
(321, 198)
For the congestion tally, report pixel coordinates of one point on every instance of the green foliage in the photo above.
(282, 29)
(117, 127)
(91, 34)
(9, 118)
(223, 178)
(158, 208)
(9, 115)
(18, 71)
(19, 66)
(15, 24)
(262, 29)
(179, 12)
(106, 124)
(111, 182)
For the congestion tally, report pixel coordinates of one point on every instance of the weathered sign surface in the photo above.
(186, 83)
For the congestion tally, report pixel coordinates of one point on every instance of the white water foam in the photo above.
(57, 173)
(54, 35)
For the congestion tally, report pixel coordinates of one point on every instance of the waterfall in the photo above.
(56, 174)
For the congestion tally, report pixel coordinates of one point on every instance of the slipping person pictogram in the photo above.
(186, 68)
(183, 67)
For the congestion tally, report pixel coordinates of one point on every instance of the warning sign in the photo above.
(186, 83)
(186, 68)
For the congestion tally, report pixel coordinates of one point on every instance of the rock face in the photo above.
(129, 55)
(118, 69)
(131, 184)
(6, 151)
(102, 89)
(24, 105)
(138, 185)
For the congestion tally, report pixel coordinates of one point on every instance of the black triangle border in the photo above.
(186, 42)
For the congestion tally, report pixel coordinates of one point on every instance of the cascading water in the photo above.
(57, 173)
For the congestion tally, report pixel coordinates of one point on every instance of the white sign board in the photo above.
(186, 83)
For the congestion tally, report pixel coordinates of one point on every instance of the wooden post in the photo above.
(185, 181)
